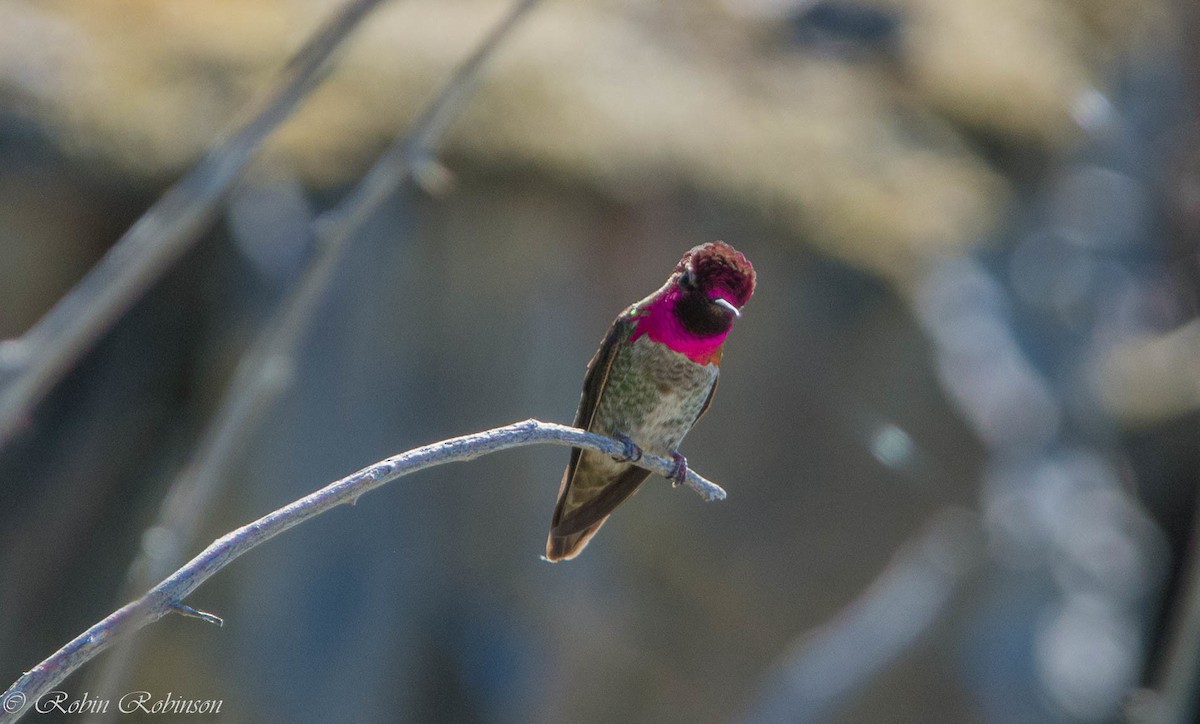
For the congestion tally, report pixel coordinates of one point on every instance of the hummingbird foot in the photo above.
(680, 471)
(632, 453)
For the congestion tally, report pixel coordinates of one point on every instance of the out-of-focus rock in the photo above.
(1151, 377)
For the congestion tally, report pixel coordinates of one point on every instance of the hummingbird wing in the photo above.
(599, 367)
(589, 489)
(708, 400)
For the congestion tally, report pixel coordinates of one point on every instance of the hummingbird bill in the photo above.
(652, 378)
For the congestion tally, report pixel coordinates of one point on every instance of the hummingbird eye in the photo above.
(687, 281)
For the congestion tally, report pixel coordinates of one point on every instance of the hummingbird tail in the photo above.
(566, 547)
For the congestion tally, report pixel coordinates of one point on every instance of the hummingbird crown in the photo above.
(718, 267)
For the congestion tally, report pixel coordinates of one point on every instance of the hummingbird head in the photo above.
(712, 282)
(693, 312)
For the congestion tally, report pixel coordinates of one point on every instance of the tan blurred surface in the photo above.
(859, 157)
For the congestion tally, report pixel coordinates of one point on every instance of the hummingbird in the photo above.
(652, 378)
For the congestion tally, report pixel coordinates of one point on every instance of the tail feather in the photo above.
(566, 547)
(588, 495)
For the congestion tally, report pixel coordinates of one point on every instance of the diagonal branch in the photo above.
(168, 595)
(168, 228)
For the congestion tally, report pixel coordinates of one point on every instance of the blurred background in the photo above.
(957, 423)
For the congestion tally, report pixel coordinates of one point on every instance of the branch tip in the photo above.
(714, 494)
(188, 612)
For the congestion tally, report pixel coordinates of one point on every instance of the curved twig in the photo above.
(167, 596)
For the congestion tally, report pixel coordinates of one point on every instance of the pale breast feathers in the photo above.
(654, 395)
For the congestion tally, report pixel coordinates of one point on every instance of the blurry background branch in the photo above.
(828, 665)
(163, 598)
(32, 364)
(267, 368)
(1174, 695)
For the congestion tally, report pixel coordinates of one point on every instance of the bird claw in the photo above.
(632, 453)
(680, 471)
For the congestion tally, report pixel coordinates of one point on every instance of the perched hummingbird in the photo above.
(652, 378)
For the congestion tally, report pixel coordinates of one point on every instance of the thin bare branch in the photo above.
(414, 151)
(166, 596)
(46, 351)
